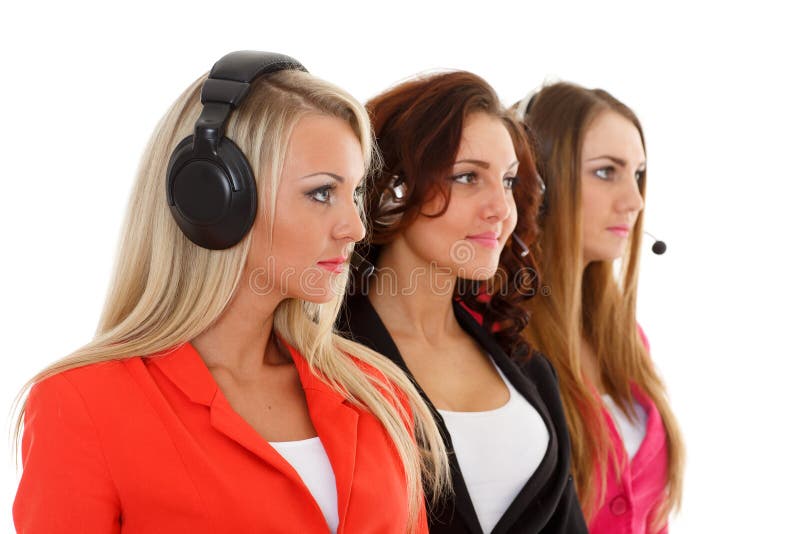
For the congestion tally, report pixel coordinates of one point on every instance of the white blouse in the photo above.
(631, 432)
(309, 459)
(498, 451)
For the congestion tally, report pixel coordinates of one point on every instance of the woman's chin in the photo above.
(478, 271)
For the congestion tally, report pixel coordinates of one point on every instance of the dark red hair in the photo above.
(418, 126)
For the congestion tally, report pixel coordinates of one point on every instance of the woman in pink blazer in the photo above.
(627, 451)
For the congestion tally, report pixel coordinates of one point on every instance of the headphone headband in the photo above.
(524, 105)
(227, 86)
(230, 77)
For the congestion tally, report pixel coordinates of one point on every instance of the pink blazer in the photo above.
(631, 501)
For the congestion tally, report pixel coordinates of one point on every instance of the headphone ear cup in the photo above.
(210, 210)
(392, 198)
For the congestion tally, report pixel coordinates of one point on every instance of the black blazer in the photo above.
(547, 503)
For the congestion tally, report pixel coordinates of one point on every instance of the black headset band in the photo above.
(230, 77)
(227, 86)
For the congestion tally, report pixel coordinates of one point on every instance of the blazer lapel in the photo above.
(544, 472)
(336, 424)
(230, 423)
(365, 326)
(654, 439)
(186, 369)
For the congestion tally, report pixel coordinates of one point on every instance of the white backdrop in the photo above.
(717, 91)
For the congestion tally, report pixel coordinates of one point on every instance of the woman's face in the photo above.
(316, 218)
(612, 161)
(468, 238)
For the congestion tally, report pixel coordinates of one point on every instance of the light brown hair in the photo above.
(590, 303)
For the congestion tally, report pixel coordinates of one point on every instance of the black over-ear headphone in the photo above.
(211, 190)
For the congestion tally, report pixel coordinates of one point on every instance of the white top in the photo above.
(309, 459)
(498, 452)
(631, 432)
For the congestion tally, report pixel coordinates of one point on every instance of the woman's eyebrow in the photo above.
(479, 163)
(332, 175)
(619, 161)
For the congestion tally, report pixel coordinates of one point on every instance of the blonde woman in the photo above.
(214, 397)
(627, 451)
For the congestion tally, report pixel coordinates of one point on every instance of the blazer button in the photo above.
(619, 505)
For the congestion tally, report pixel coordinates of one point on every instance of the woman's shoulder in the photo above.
(88, 384)
(539, 368)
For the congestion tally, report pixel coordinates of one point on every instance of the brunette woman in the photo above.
(445, 301)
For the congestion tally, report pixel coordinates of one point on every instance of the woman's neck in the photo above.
(239, 340)
(413, 296)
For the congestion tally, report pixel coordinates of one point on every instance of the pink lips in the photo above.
(486, 239)
(621, 231)
(334, 265)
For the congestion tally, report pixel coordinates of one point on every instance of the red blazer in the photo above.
(151, 445)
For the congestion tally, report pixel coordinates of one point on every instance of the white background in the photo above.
(714, 85)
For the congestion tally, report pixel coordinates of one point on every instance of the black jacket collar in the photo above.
(535, 505)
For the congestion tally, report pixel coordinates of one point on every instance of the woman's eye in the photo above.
(465, 178)
(321, 194)
(606, 173)
(639, 175)
(510, 181)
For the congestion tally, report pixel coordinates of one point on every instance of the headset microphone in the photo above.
(523, 249)
(361, 265)
(659, 247)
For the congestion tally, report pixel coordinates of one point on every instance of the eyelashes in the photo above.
(470, 178)
(465, 178)
(605, 173)
(325, 193)
(321, 194)
(610, 173)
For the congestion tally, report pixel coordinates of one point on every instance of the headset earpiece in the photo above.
(393, 197)
(204, 198)
(524, 105)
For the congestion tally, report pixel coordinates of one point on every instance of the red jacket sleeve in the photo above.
(66, 485)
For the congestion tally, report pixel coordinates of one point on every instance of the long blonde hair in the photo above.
(165, 290)
(590, 303)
